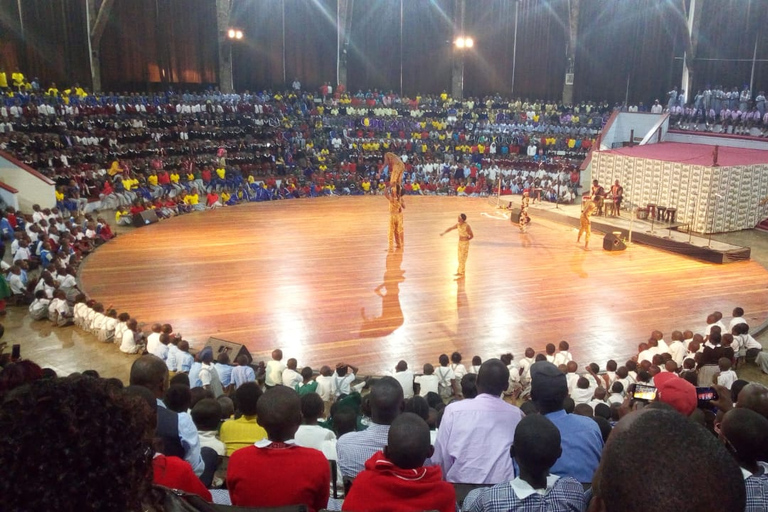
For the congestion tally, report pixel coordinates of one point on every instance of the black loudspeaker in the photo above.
(233, 350)
(612, 242)
(144, 218)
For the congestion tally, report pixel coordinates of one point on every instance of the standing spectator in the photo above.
(242, 373)
(581, 440)
(474, 437)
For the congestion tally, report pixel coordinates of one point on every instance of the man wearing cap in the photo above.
(473, 441)
(677, 392)
(581, 440)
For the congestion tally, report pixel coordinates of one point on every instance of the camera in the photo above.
(642, 392)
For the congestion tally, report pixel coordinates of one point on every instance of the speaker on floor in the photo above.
(232, 349)
(612, 242)
(144, 218)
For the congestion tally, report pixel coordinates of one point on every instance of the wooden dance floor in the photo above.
(314, 278)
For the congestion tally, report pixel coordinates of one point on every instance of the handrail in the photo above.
(27, 168)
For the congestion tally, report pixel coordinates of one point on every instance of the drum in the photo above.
(642, 213)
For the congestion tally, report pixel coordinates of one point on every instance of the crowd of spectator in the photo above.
(186, 151)
(541, 431)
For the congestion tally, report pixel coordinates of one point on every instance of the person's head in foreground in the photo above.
(698, 474)
(92, 442)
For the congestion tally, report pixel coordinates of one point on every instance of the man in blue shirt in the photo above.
(581, 440)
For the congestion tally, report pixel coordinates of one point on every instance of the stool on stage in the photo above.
(642, 213)
(671, 214)
(660, 211)
(651, 209)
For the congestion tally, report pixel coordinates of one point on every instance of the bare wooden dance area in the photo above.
(314, 278)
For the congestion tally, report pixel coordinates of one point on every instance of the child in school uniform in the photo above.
(38, 310)
(107, 331)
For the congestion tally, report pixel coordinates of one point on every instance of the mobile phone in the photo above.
(16, 352)
(704, 395)
(643, 392)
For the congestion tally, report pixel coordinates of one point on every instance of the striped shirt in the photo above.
(562, 494)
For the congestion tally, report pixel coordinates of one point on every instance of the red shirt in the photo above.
(136, 209)
(205, 175)
(382, 484)
(163, 178)
(175, 473)
(285, 476)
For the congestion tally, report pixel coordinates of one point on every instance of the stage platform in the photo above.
(693, 154)
(314, 277)
(659, 235)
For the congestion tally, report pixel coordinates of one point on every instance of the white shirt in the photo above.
(313, 436)
(727, 378)
(571, 378)
(562, 358)
(459, 370)
(39, 305)
(325, 387)
(582, 396)
(16, 284)
(645, 355)
(128, 342)
(291, 378)
(428, 384)
(343, 385)
(153, 340)
(405, 378)
(736, 321)
(677, 350)
(274, 373)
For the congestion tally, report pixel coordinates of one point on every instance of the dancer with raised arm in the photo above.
(465, 235)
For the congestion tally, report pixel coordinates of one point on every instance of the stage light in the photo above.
(464, 42)
(231, 33)
(238, 34)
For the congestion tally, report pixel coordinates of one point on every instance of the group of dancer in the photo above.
(394, 195)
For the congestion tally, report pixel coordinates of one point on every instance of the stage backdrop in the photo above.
(711, 199)
(625, 48)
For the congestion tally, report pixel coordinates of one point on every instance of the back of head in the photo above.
(386, 400)
(408, 441)
(418, 405)
(747, 433)
(207, 414)
(312, 406)
(223, 358)
(242, 360)
(549, 387)
(344, 420)
(151, 372)
(227, 407)
(754, 396)
(279, 412)
(717, 483)
(247, 397)
(536, 445)
(87, 422)
(492, 378)
(469, 385)
(197, 394)
(180, 379)
(178, 398)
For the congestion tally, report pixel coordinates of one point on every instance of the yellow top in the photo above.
(240, 433)
(589, 209)
(191, 199)
(3, 79)
(18, 79)
(59, 195)
(174, 177)
(152, 180)
(462, 229)
(222, 173)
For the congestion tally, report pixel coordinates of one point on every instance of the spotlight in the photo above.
(231, 33)
(468, 42)
(459, 42)
(239, 34)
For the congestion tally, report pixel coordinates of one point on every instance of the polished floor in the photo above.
(314, 278)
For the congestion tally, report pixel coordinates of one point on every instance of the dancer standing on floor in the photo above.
(524, 218)
(586, 222)
(394, 195)
(465, 235)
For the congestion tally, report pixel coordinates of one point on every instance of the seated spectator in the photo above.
(355, 448)
(208, 375)
(581, 440)
(325, 386)
(725, 377)
(474, 435)
(308, 383)
(428, 383)
(245, 430)
(178, 398)
(344, 377)
(717, 483)
(290, 377)
(207, 417)
(677, 392)
(224, 370)
(405, 377)
(80, 427)
(536, 449)
(396, 476)
(242, 372)
(275, 367)
(745, 434)
(469, 385)
(295, 475)
(171, 472)
(310, 434)
(177, 433)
